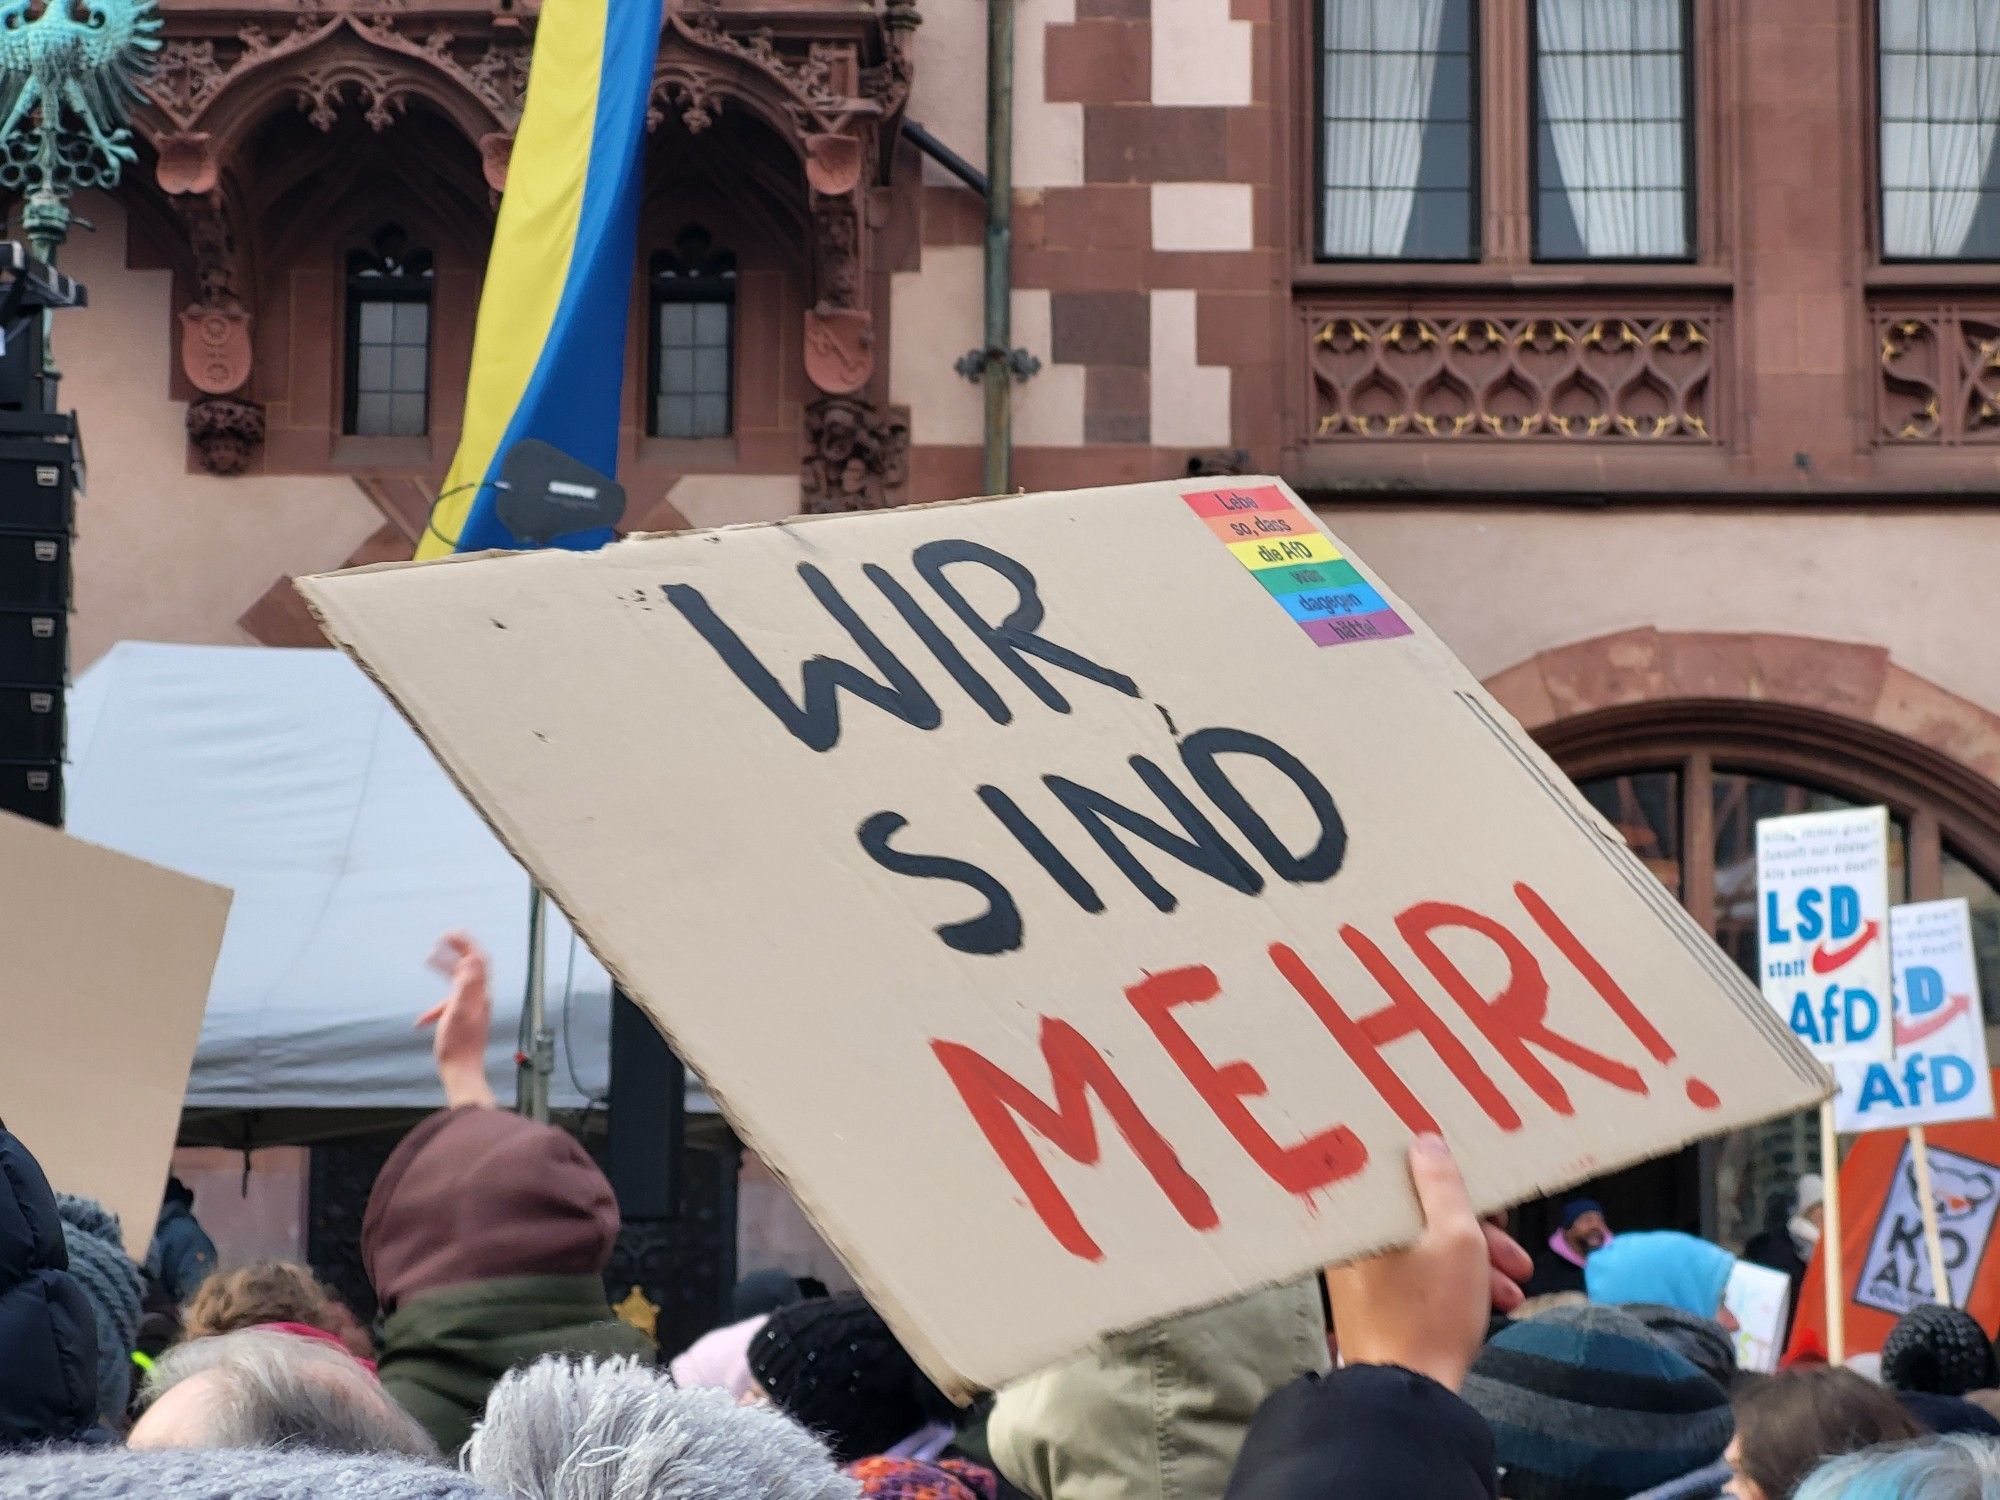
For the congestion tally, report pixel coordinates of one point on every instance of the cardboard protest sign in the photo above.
(104, 980)
(1079, 900)
(1823, 928)
(1758, 1298)
(1940, 1072)
(1887, 1268)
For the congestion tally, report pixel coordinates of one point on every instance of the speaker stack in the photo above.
(41, 470)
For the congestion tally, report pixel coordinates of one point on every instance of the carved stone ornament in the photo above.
(857, 455)
(836, 253)
(833, 163)
(215, 348)
(226, 432)
(839, 349)
(1646, 376)
(330, 58)
(496, 154)
(187, 163)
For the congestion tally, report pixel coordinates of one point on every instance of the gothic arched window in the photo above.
(1686, 785)
(389, 338)
(690, 381)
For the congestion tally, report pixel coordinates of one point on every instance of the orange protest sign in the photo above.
(1887, 1271)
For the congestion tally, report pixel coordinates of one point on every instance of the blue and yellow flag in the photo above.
(548, 353)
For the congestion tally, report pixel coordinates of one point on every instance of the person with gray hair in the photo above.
(226, 1474)
(605, 1429)
(257, 1388)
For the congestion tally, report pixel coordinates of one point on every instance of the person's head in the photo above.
(833, 1366)
(97, 1259)
(588, 1430)
(1702, 1342)
(1662, 1267)
(1583, 1225)
(1788, 1425)
(1945, 1468)
(478, 1194)
(177, 1192)
(103, 1473)
(1811, 1203)
(1586, 1404)
(264, 1291)
(259, 1389)
(1938, 1351)
(764, 1292)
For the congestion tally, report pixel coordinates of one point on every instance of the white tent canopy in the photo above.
(286, 776)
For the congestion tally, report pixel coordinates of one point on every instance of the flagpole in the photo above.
(1829, 1239)
(1920, 1158)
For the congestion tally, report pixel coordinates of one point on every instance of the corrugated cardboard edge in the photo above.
(960, 1385)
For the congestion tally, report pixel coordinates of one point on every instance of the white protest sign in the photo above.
(1940, 1072)
(1823, 928)
(105, 963)
(1120, 877)
(1758, 1298)
(1896, 1276)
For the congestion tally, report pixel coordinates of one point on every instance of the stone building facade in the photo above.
(1654, 360)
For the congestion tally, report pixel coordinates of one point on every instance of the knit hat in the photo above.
(606, 1428)
(225, 1474)
(833, 1366)
(764, 1291)
(1938, 1351)
(1661, 1266)
(1575, 1209)
(476, 1194)
(1702, 1342)
(98, 1261)
(1585, 1404)
(918, 1479)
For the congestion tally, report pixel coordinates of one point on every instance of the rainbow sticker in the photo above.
(1297, 565)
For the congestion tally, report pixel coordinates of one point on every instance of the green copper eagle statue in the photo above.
(69, 74)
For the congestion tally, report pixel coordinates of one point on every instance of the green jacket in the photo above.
(1158, 1414)
(443, 1351)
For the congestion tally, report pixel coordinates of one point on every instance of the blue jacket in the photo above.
(48, 1337)
(182, 1254)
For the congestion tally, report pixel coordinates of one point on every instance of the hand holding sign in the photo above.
(1426, 1307)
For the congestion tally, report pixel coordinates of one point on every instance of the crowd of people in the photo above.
(1457, 1368)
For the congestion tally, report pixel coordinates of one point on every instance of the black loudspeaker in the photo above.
(41, 464)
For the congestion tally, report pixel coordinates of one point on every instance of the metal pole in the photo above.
(998, 374)
(537, 1059)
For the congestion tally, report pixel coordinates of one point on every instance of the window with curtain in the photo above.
(1940, 113)
(694, 339)
(1398, 155)
(1612, 147)
(388, 353)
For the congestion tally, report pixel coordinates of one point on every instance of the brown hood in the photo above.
(476, 1193)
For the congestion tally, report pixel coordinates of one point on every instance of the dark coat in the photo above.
(182, 1254)
(1774, 1248)
(1368, 1432)
(48, 1336)
(1554, 1273)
